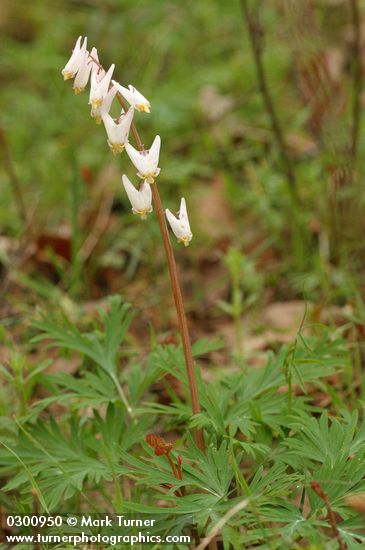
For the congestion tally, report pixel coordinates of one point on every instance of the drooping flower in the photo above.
(98, 111)
(83, 74)
(99, 89)
(180, 225)
(134, 97)
(146, 161)
(76, 59)
(117, 130)
(140, 199)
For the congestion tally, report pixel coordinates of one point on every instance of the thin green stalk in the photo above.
(237, 317)
(32, 480)
(255, 35)
(118, 498)
(122, 395)
(357, 78)
(240, 480)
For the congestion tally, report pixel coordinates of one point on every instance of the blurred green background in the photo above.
(193, 61)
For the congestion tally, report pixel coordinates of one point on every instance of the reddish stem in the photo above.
(175, 286)
(316, 487)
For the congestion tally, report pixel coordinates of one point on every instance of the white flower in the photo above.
(180, 225)
(82, 76)
(134, 97)
(76, 59)
(146, 161)
(94, 58)
(99, 110)
(141, 200)
(100, 81)
(118, 130)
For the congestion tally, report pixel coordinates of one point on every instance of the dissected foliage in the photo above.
(263, 444)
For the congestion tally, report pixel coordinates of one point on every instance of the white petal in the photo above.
(154, 152)
(124, 124)
(104, 84)
(180, 226)
(73, 64)
(93, 82)
(132, 192)
(94, 58)
(183, 211)
(109, 126)
(175, 225)
(140, 200)
(108, 100)
(128, 116)
(124, 91)
(78, 44)
(135, 157)
(83, 74)
(134, 97)
(146, 193)
(140, 102)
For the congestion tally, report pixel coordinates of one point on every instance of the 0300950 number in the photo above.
(34, 521)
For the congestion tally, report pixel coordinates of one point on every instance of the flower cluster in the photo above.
(84, 66)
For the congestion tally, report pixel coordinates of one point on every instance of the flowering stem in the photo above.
(176, 291)
(175, 285)
(180, 310)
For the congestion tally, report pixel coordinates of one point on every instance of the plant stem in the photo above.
(176, 292)
(180, 310)
(316, 487)
(75, 282)
(122, 396)
(173, 467)
(222, 522)
(255, 38)
(175, 285)
(357, 78)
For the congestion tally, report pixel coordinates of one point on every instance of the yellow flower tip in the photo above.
(185, 240)
(98, 119)
(143, 108)
(143, 213)
(96, 103)
(78, 90)
(150, 178)
(67, 75)
(116, 148)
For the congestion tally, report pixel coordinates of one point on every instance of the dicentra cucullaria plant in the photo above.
(83, 66)
(274, 472)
